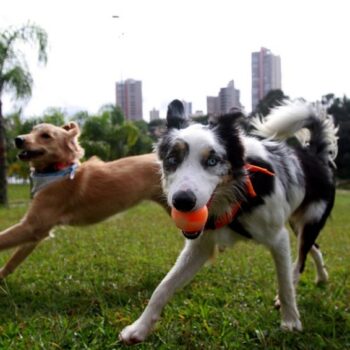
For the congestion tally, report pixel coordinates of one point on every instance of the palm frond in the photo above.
(19, 81)
(30, 34)
(14, 73)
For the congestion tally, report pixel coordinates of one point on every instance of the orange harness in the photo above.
(228, 217)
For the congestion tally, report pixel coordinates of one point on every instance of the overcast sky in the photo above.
(181, 48)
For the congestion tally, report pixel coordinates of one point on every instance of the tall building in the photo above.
(187, 107)
(228, 98)
(153, 114)
(266, 74)
(212, 105)
(129, 98)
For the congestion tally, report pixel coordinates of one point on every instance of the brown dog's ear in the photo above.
(72, 140)
(72, 128)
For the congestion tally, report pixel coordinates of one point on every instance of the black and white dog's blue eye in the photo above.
(212, 161)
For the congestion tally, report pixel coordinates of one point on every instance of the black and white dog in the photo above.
(253, 185)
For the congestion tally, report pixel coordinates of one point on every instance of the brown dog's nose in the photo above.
(19, 141)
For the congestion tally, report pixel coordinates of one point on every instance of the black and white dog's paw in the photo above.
(134, 333)
(277, 302)
(292, 325)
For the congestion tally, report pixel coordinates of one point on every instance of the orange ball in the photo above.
(191, 221)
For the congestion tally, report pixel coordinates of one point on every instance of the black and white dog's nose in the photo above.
(19, 141)
(184, 200)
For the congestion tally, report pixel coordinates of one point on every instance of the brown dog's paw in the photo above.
(2, 274)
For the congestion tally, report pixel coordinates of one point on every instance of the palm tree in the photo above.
(15, 78)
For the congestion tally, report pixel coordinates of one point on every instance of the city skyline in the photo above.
(187, 52)
(227, 98)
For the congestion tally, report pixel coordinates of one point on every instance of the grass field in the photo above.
(78, 290)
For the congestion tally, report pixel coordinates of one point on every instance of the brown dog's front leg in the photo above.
(20, 234)
(17, 258)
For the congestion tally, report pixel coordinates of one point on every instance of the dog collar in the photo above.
(228, 217)
(61, 166)
(41, 180)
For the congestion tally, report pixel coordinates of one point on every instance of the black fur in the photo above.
(176, 115)
(319, 179)
(317, 144)
(164, 146)
(176, 155)
(227, 131)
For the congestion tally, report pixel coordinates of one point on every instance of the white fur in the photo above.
(314, 212)
(253, 147)
(322, 274)
(289, 119)
(283, 121)
(191, 174)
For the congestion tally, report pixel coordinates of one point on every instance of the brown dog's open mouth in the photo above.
(191, 235)
(28, 155)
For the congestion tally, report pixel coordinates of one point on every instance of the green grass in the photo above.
(78, 290)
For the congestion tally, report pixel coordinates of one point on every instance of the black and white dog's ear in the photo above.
(233, 117)
(176, 117)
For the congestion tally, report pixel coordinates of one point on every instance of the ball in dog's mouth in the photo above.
(190, 221)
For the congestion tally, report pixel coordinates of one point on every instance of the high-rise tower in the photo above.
(266, 74)
(129, 98)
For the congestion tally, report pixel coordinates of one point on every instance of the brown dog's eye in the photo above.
(45, 135)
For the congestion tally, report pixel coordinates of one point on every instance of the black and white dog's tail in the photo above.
(309, 123)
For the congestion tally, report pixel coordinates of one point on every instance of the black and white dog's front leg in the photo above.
(191, 259)
(280, 250)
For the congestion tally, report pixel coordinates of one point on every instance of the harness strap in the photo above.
(228, 217)
(41, 180)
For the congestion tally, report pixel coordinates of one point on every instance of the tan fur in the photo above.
(57, 144)
(98, 190)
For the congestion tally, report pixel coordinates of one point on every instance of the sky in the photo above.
(184, 49)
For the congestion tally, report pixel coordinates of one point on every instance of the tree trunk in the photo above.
(3, 178)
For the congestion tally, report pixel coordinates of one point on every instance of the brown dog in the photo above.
(82, 194)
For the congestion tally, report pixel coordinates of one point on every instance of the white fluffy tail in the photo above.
(283, 121)
(310, 123)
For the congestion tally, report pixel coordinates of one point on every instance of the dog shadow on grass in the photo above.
(69, 297)
(32, 299)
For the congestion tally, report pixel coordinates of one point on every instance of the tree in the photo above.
(80, 118)
(15, 78)
(14, 127)
(95, 136)
(109, 136)
(202, 119)
(156, 128)
(114, 113)
(55, 116)
(340, 109)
